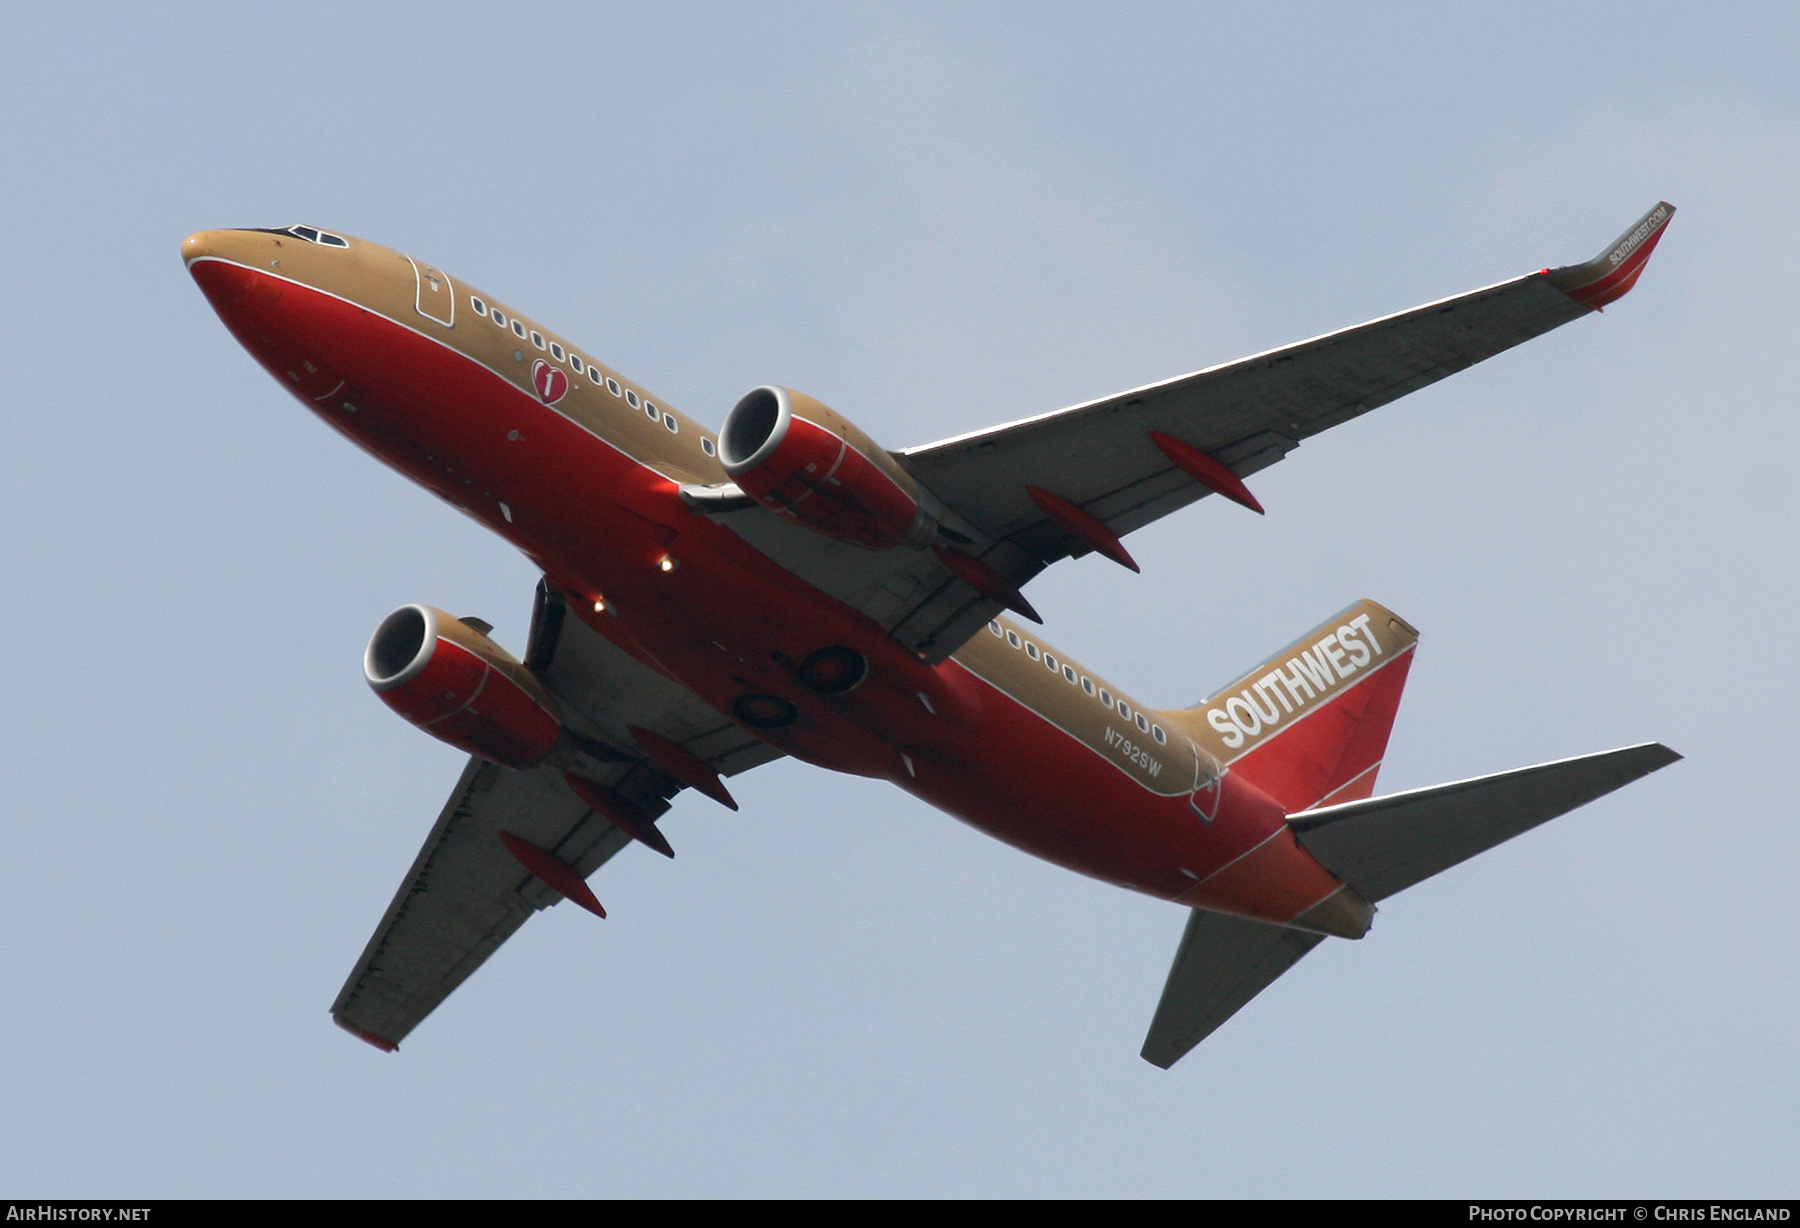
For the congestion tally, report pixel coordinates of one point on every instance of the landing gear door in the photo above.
(437, 297)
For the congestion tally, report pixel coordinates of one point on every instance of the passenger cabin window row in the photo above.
(582, 367)
(1070, 676)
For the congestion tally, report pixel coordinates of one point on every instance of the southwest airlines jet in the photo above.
(786, 586)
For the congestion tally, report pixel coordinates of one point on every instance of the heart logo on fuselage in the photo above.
(551, 384)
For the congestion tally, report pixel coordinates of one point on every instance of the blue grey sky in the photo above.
(932, 217)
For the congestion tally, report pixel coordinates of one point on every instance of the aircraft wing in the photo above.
(1103, 458)
(466, 892)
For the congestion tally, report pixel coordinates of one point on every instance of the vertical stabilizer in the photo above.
(1310, 725)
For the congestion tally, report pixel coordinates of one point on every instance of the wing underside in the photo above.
(1102, 456)
(466, 893)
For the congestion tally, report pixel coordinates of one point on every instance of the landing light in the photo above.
(599, 606)
(667, 564)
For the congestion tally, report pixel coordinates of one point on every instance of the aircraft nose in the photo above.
(223, 263)
(243, 244)
(200, 243)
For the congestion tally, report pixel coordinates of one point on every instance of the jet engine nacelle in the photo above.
(801, 459)
(456, 684)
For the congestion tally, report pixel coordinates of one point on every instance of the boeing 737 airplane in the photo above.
(711, 602)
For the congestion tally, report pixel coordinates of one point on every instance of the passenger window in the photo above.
(995, 628)
(1124, 709)
(537, 338)
(612, 386)
(1156, 731)
(479, 306)
(631, 398)
(499, 317)
(1031, 650)
(1012, 637)
(1069, 672)
(1050, 663)
(1106, 697)
(518, 329)
(557, 352)
(1087, 684)
(706, 446)
(674, 426)
(651, 412)
(1142, 723)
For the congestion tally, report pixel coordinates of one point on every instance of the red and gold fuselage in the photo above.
(581, 469)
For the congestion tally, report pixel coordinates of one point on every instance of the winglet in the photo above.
(1607, 277)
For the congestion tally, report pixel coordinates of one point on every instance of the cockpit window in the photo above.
(310, 233)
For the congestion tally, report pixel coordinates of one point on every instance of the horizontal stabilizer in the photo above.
(1222, 963)
(1384, 845)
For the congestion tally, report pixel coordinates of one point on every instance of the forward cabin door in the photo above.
(436, 299)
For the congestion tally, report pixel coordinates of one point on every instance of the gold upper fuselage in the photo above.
(429, 301)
